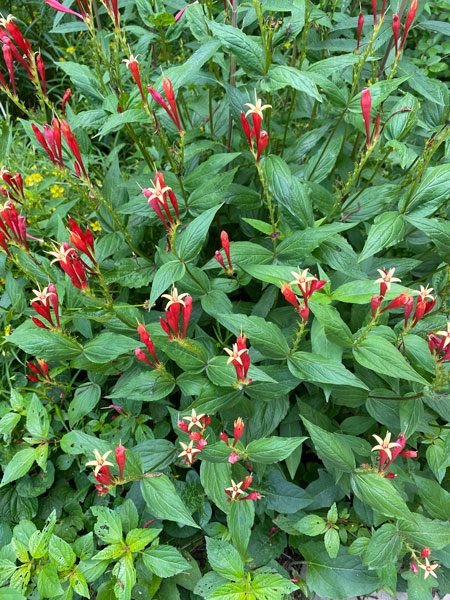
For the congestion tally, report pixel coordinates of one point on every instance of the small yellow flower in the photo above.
(57, 191)
(7, 330)
(70, 50)
(61, 59)
(30, 180)
(95, 226)
(2, 281)
(287, 45)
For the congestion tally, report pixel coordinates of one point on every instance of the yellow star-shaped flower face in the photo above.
(174, 298)
(194, 420)
(235, 489)
(385, 445)
(235, 354)
(429, 569)
(387, 277)
(100, 461)
(446, 335)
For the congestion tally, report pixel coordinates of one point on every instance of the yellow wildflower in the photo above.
(95, 226)
(57, 191)
(7, 330)
(30, 180)
(70, 50)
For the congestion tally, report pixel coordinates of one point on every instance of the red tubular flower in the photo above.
(240, 359)
(375, 303)
(7, 55)
(145, 338)
(383, 9)
(159, 99)
(41, 304)
(168, 90)
(72, 143)
(112, 8)
(133, 65)
(41, 70)
(186, 312)
(413, 567)
(263, 140)
(366, 103)
(218, 256)
(238, 430)
(180, 13)
(65, 98)
(408, 309)
(55, 157)
(140, 355)
(84, 242)
(120, 452)
(425, 552)
(3, 243)
(395, 30)
(41, 370)
(374, 9)
(201, 444)
(71, 263)
(61, 8)
(246, 129)
(395, 451)
(171, 324)
(16, 35)
(226, 246)
(183, 425)
(289, 295)
(195, 435)
(303, 311)
(157, 198)
(360, 28)
(15, 182)
(12, 226)
(425, 303)
(391, 475)
(223, 436)
(409, 19)
(399, 301)
(409, 453)
(104, 475)
(54, 300)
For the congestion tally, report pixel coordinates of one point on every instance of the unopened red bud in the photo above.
(391, 475)
(195, 435)
(425, 552)
(303, 311)
(409, 453)
(238, 429)
(375, 303)
(413, 567)
(395, 30)
(183, 425)
(233, 458)
(223, 436)
(409, 19)
(247, 482)
(120, 452)
(360, 28)
(201, 444)
(366, 103)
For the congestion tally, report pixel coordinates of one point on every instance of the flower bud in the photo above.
(233, 458)
(238, 429)
(201, 444)
(223, 436)
(366, 103)
(413, 567)
(425, 552)
(395, 30)
(195, 435)
(391, 475)
(120, 452)
(360, 28)
(409, 453)
(375, 303)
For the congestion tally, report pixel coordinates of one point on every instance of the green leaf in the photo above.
(282, 76)
(421, 532)
(361, 292)
(435, 498)
(301, 243)
(85, 399)
(331, 448)
(38, 422)
(335, 329)
(166, 275)
(283, 496)
(137, 539)
(79, 585)
(273, 449)
(379, 91)
(431, 191)
(387, 229)
(380, 494)
(249, 53)
(117, 121)
(314, 367)
(48, 584)
(265, 336)
(165, 561)
(332, 542)
(383, 548)
(240, 522)
(379, 355)
(191, 240)
(61, 553)
(108, 346)
(108, 526)
(339, 577)
(47, 345)
(215, 477)
(230, 591)
(125, 574)
(19, 465)
(268, 586)
(163, 501)
(224, 559)
(311, 525)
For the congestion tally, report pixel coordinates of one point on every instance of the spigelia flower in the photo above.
(429, 569)
(195, 420)
(50, 140)
(226, 248)
(360, 28)
(237, 490)
(386, 280)
(395, 30)
(41, 371)
(41, 70)
(189, 451)
(446, 338)
(65, 99)
(73, 145)
(366, 104)
(113, 10)
(413, 567)
(256, 110)
(404, 299)
(157, 198)
(15, 184)
(145, 338)
(233, 458)
(239, 357)
(385, 448)
(15, 35)
(100, 461)
(121, 456)
(171, 324)
(261, 144)
(72, 264)
(12, 226)
(261, 137)
(181, 12)
(41, 304)
(425, 303)
(133, 65)
(170, 96)
(308, 284)
(425, 552)
(409, 19)
(238, 430)
(83, 241)
(440, 347)
(83, 5)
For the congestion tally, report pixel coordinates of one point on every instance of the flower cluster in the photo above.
(389, 451)
(51, 141)
(157, 198)
(237, 490)
(226, 248)
(14, 191)
(261, 137)
(13, 228)
(307, 284)
(240, 359)
(170, 96)
(41, 371)
(428, 569)
(440, 347)
(41, 303)
(171, 325)
(237, 433)
(425, 301)
(396, 26)
(195, 427)
(102, 471)
(140, 354)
